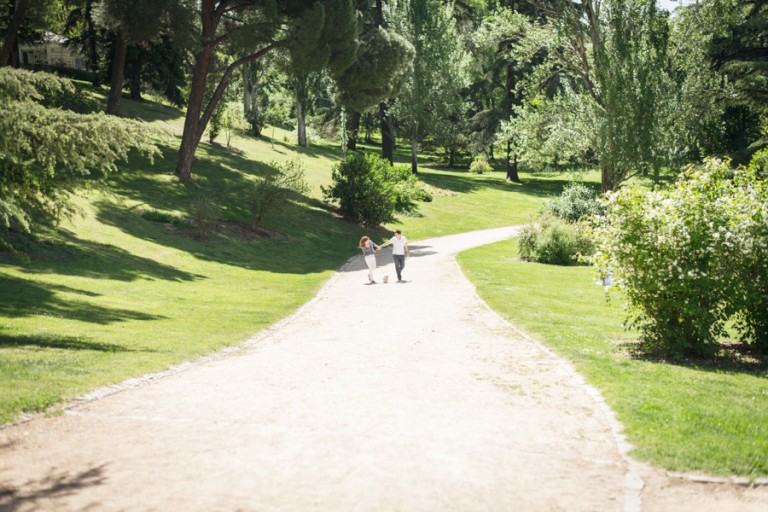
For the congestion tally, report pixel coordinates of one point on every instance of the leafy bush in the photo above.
(271, 192)
(370, 191)
(552, 241)
(759, 163)
(480, 166)
(576, 202)
(48, 149)
(691, 257)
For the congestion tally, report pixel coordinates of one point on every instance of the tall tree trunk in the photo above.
(415, 148)
(93, 52)
(118, 74)
(191, 136)
(192, 133)
(387, 140)
(606, 177)
(251, 99)
(353, 129)
(15, 62)
(196, 118)
(12, 32)
(134, 81)
(301, 118)
(512, 174)
(451, 157)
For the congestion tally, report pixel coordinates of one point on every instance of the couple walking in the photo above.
(400, 250)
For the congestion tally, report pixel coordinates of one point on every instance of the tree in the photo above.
(508, 48)
(132, 21)
(36, 12)
(383, 60)
(316, 35)
(89, 36)
(159, 65)
(618, 51)
(740, 50)
(438, 71)
(49, 148)
(21, 9)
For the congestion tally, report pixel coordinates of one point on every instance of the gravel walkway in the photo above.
(408, 396)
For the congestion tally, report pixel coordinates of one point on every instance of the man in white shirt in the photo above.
(400, 250)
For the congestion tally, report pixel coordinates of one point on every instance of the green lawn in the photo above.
(112, 294)
(683, 416)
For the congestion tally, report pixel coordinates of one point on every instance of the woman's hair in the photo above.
(363, 240)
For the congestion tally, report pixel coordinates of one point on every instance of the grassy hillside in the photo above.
(126, 288)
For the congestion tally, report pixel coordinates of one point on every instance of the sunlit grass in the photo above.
(686, 416)
(112, 294)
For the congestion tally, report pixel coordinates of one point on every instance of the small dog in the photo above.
(386, 279)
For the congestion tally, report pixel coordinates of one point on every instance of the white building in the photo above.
(51, 52)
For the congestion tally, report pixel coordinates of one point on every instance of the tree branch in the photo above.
(219, 92)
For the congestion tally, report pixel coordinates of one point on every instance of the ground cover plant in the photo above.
(685, 415)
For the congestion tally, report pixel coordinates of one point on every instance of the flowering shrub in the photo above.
(690, 258)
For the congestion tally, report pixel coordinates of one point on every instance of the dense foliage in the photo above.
(691, 257)
(576, 202)
(553, 241)
(48, 150)
(370, 191)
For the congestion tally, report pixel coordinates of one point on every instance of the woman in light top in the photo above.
(370, 250)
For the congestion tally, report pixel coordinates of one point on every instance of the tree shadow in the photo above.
(34, 494)
(148, 111)
(308, 224)
(58, 342)
(731, 357)
(68, 255)
(312, 150)
(463, 182)
(384, 259)
(24, 298)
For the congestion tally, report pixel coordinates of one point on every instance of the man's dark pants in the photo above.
(399, 264)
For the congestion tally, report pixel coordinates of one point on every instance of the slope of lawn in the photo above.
(686, 415)
(127, 288)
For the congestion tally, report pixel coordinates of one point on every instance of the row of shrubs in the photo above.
(691, 258)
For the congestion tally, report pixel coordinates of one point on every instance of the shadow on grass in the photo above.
(35, 494)
(23, 298)
(313, 150)
(148, 110)
(730, 358)
(58, 342)
(314, 240)
(464, 182)
(69, 255)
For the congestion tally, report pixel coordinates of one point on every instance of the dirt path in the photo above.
(391, 397)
